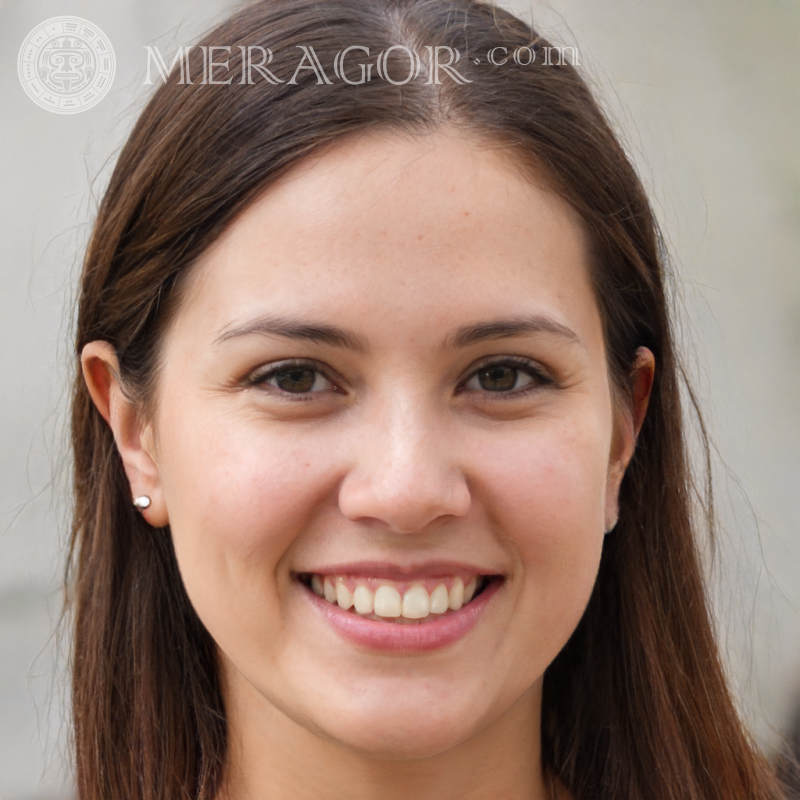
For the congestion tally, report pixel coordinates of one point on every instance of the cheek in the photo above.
(551, 477)
(547, 493)
(237, 496)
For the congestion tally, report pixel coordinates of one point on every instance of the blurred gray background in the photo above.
(705, 96)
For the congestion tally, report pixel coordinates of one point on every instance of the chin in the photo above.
(399, 739)
(404, 722)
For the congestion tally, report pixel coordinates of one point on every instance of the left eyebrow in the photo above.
(465, 336)
(507, 328)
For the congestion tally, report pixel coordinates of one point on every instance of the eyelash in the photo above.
(516, 363)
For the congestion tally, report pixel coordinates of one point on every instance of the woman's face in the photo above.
(389, 376)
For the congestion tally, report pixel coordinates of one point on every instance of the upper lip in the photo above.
(399, 572)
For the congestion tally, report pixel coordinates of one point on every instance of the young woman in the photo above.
(381, 486)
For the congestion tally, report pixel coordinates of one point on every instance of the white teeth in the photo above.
(440, 600)
(456, 594)
(343, 596)
(469, 590)
(364, 600)
(416, 602)
(388, 602)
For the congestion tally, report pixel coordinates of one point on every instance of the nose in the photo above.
(404, 472)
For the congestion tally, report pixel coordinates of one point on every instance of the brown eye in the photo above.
(512, 377)
(294, 379)
(499, 378)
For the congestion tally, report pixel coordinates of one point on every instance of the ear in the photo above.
(627, 426)
(133, 438)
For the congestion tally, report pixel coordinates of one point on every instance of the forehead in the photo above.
(408, 231)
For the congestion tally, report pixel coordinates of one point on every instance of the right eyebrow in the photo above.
(291, 328)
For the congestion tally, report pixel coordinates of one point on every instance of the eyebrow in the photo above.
(292, 328)
(508, 328)
(466, 336)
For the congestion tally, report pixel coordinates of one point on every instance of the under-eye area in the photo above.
(400, 602)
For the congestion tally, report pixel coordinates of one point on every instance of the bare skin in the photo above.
(401, 451)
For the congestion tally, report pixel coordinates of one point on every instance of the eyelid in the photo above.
(520, 361)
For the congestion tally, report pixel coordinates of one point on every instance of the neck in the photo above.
(272, 755)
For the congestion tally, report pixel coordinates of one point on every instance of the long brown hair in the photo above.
(636, 704)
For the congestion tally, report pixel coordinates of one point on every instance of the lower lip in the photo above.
(389, 636)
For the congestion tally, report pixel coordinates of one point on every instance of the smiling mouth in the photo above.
(401, 602)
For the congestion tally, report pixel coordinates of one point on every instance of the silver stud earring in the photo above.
(142, 502)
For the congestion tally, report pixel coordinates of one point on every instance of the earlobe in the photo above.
(132, 437)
